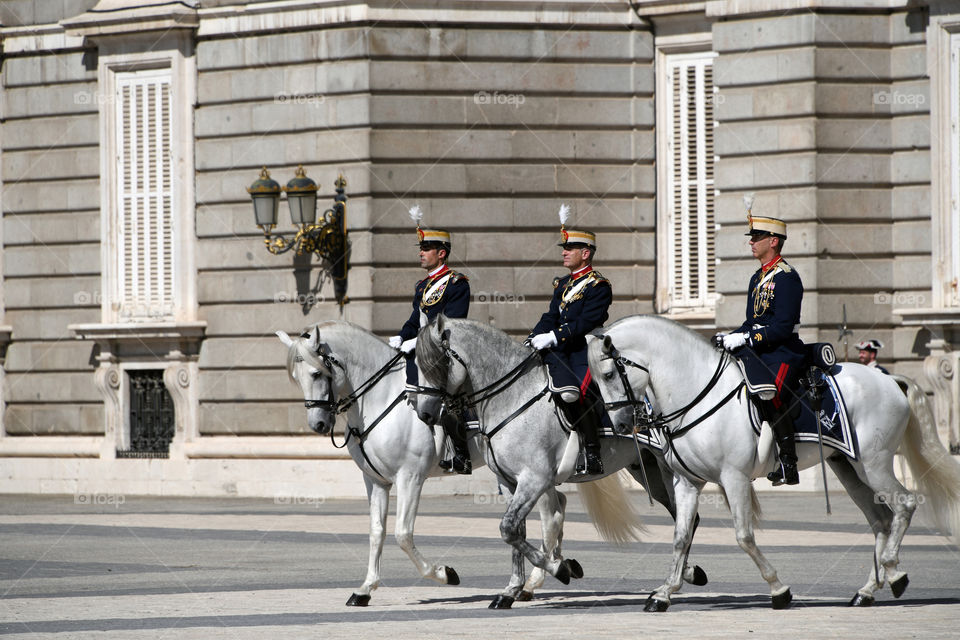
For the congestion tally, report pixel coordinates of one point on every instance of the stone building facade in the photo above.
(130, 130)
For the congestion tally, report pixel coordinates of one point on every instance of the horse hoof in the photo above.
(782, 600)
(501, 602)
(452, 577)
(525, 596)
(357, 600)
(654, 605)
(563, 572)
(861, 600)
(699, 577)
(576, 571)
(899, 585)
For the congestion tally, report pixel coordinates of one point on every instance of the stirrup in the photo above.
(591, 464)
(782, 476)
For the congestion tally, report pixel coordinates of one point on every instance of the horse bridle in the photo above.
(459, 401)
(339, 406)
(643, 416)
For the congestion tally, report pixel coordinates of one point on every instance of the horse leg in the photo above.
(514, 532)
(506, 598)
(552, 505)
(881, 509)
(686, 494)
(737, 488)
(408, 501)
(378, 498)
(660, 480)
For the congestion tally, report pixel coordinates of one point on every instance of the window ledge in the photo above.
(694, 319)
(940, 317)
(144, 340)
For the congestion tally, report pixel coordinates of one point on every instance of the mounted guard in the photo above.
(579, 305)
(767, 343)
(442, 291)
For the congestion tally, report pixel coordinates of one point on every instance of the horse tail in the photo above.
(756, 509)
(934, 470)
(611, 510)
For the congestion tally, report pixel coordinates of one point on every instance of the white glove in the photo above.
(408, 345)
(543, 341)
(395, 342)
(733, 341)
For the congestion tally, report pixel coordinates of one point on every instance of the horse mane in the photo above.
(430, 356)
(676, 330)
(330, 329)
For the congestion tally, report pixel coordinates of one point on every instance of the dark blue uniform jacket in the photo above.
(578, 307)
(446, 292)
(773, 316)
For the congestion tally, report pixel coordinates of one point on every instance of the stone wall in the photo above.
(826, 117)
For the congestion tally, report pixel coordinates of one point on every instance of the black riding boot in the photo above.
(782, 425)
(587, 424)
(454, 427)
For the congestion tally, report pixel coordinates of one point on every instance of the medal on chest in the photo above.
(433, 292)
(763, 295)
(573, 292)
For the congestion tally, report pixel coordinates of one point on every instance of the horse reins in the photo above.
(662, 421)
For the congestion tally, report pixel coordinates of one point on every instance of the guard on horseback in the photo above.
(442, 291)
(767, 343)
(579, 305)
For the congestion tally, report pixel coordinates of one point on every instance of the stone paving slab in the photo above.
(207, 568)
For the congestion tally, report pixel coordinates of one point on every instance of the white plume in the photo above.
(748, 200)
(564, 213)
(416, 214)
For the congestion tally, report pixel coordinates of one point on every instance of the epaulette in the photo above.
(558, 280)
(786, 268)
(456, 275)
(597, 278)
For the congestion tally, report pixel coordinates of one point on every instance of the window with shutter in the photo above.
(686, 200)
(144, 195)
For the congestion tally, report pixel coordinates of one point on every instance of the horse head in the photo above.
(621, 381)
(442, 368)
(310, 366)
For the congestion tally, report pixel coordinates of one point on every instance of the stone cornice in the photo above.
(648, 8)
(117, 17)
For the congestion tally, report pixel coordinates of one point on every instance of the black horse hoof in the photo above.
(525, 596)
(899, 585)
(501, 602)
(563, 572)
(653, 605)
(861, 600)
(452, 577)
(699, 577)
(782, 600)
(576, 571)
(357, 600)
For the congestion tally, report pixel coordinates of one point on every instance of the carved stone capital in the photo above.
(940, 371)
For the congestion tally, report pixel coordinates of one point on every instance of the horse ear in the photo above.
(314, 338)
(441, 320)
(607, 344)
(284, 338)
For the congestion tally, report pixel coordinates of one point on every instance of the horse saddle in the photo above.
(818, 380)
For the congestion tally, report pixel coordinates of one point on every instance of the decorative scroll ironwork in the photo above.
(152, 421)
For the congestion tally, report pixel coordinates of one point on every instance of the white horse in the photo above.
(652, 353)
(342, 367)
(524, 444)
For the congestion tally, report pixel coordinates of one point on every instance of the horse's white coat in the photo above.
(724, 449)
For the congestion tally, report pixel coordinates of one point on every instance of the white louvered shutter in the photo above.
(144, 195)
(690, 159)
(952, 290)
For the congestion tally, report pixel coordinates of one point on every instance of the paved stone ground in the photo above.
(123, 567)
